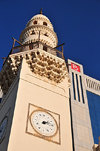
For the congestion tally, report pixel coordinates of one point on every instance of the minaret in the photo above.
(39, 28)
(35, 84)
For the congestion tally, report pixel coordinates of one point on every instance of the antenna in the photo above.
(41, 10)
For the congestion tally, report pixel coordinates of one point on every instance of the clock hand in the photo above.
(49, 123)
(44, 122)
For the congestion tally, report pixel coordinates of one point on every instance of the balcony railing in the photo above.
(33, 46)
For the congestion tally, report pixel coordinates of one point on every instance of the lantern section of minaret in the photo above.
(39, 28)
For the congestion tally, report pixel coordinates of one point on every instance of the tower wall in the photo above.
(82, 131)
(33, 93)
(7, 109)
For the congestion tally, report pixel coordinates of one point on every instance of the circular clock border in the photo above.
(50, 115)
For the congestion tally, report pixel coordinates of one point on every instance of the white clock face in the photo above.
(43, 123)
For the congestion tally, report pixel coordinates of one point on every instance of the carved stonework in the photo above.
(40, 62)
(50, 39)
(9, 72)
(42, 18)
(96, 147)
(39, 31)
(46, 65)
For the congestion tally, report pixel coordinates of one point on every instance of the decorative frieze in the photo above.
(39, 28)
(40, 19)
(9, 72)
(46, 65)
(50, 39)
(40, 62)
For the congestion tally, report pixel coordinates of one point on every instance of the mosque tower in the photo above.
(35, 113)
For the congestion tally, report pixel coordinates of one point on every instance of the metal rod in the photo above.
(23, 45)
(59, 45)
(17, 41)
(13, 43)
(41, 11)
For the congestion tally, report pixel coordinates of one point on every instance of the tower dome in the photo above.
(39, 28)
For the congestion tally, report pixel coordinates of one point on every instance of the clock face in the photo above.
(43, 123)
(3, 126)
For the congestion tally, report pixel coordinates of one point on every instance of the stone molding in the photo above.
(50, 39)
(40, 62)
(40, 18)
(9, 72)
(46, 65)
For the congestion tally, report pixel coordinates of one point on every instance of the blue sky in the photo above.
(76, 22)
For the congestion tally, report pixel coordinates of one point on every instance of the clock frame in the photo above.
(38, 110)
(56, 138)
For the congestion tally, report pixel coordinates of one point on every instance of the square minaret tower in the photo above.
(35, 84)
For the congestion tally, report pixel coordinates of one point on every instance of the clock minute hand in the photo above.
(44, 122)
(49, 123)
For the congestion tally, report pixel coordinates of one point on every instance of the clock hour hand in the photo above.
(44, 122)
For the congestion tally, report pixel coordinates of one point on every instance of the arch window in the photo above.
(44, 23)
(45, 48)
(32, 33)
(35, 22)
(46, 34)
(30, 46)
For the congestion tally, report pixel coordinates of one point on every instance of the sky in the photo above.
(76, 22)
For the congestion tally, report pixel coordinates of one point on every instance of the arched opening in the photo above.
(46, 34)
(44, 23)
(45, 48)
(30, 46)
(32, 33)
(35, 22)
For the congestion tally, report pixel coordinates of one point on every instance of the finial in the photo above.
(41, 11)
(99, 140)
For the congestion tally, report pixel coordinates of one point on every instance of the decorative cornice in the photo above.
(40, 18)
(51, 34)
(9, 72)
(46, 65)
(40, 27)
(40, 63)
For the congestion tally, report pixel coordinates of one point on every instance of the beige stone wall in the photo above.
(55, 98)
